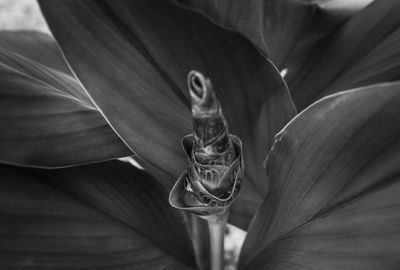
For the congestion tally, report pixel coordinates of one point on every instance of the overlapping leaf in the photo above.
(335, 175)
(134, 57)
(285, 29)
(363, 51)
(47, 120)
(47, 75)
(44, 227)
(36, 46)
(273, 25)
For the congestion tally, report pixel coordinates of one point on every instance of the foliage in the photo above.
(327, 195)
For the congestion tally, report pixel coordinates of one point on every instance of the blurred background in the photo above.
(21, 14)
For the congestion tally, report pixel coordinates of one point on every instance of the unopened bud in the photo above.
(215, 166)
(212, 144)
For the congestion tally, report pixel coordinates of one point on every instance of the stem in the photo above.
(217, 245)
(217, 225)
(201, 242)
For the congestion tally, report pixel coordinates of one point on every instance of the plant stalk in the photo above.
(217, 225)
(201, 241)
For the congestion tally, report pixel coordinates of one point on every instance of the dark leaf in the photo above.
(335, 175)
(365, 50)
(43, 125)
(273, 25)
(36, 46)
(282, 28)
(45, 74)
(134, 58)
(43, 227)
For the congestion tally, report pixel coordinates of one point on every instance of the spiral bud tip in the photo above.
(202, 94)
(196, 85)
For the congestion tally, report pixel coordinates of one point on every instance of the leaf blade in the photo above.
(272, 25)
(341, 151)
(284, 30)
(367, 46)
(36, 46)
(44, 228)
(44, 127)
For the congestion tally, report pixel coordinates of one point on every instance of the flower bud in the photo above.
(215, 165)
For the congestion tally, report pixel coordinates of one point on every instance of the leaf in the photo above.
(47, 118)
(42, 227)
(363, 51)
(43, 126)
(284, 29)
(47, 75)
(128, 194)
(36, 46)
(134, 57)
(272, 25)
(333, 200)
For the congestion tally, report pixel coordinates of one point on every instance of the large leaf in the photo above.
(333, 201)
(43, 227)
(129, 195)
(47, 75)
(134, 57)
(46, 121)
(282, 28)
(36, 46)
(365, 50)
(273, 25)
